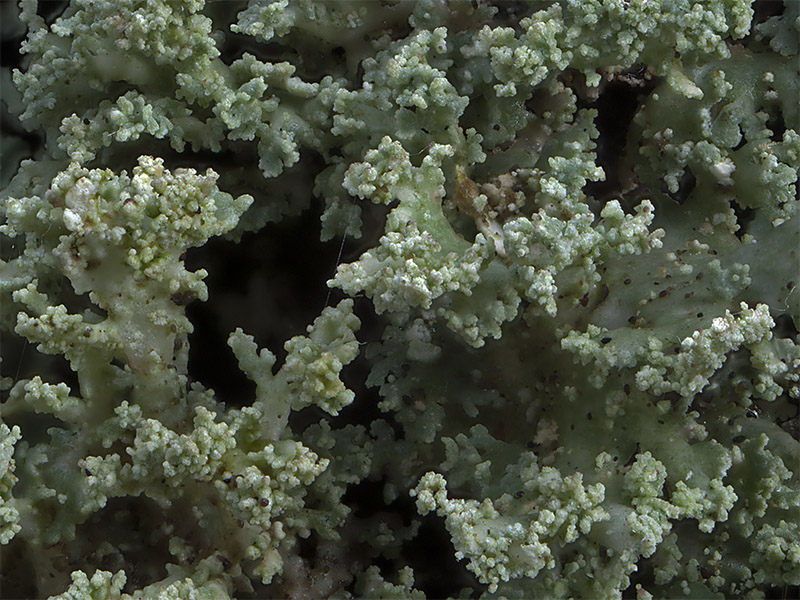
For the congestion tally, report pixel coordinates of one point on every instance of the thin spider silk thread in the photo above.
(338, 261)
(341, 249)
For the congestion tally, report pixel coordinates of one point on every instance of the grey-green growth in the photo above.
(583, 336)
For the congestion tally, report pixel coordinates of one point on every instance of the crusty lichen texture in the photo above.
(559, 356)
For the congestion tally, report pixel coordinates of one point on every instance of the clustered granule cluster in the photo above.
(559, 358)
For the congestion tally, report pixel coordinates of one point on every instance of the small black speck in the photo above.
(627, 281)
(605, 340)
(699, 315)
(518, 495)
(182, 298)
(739, 439)
(589, 416)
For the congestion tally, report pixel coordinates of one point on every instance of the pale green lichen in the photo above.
(567, 331)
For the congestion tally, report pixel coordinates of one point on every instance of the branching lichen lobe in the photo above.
(584, 369)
